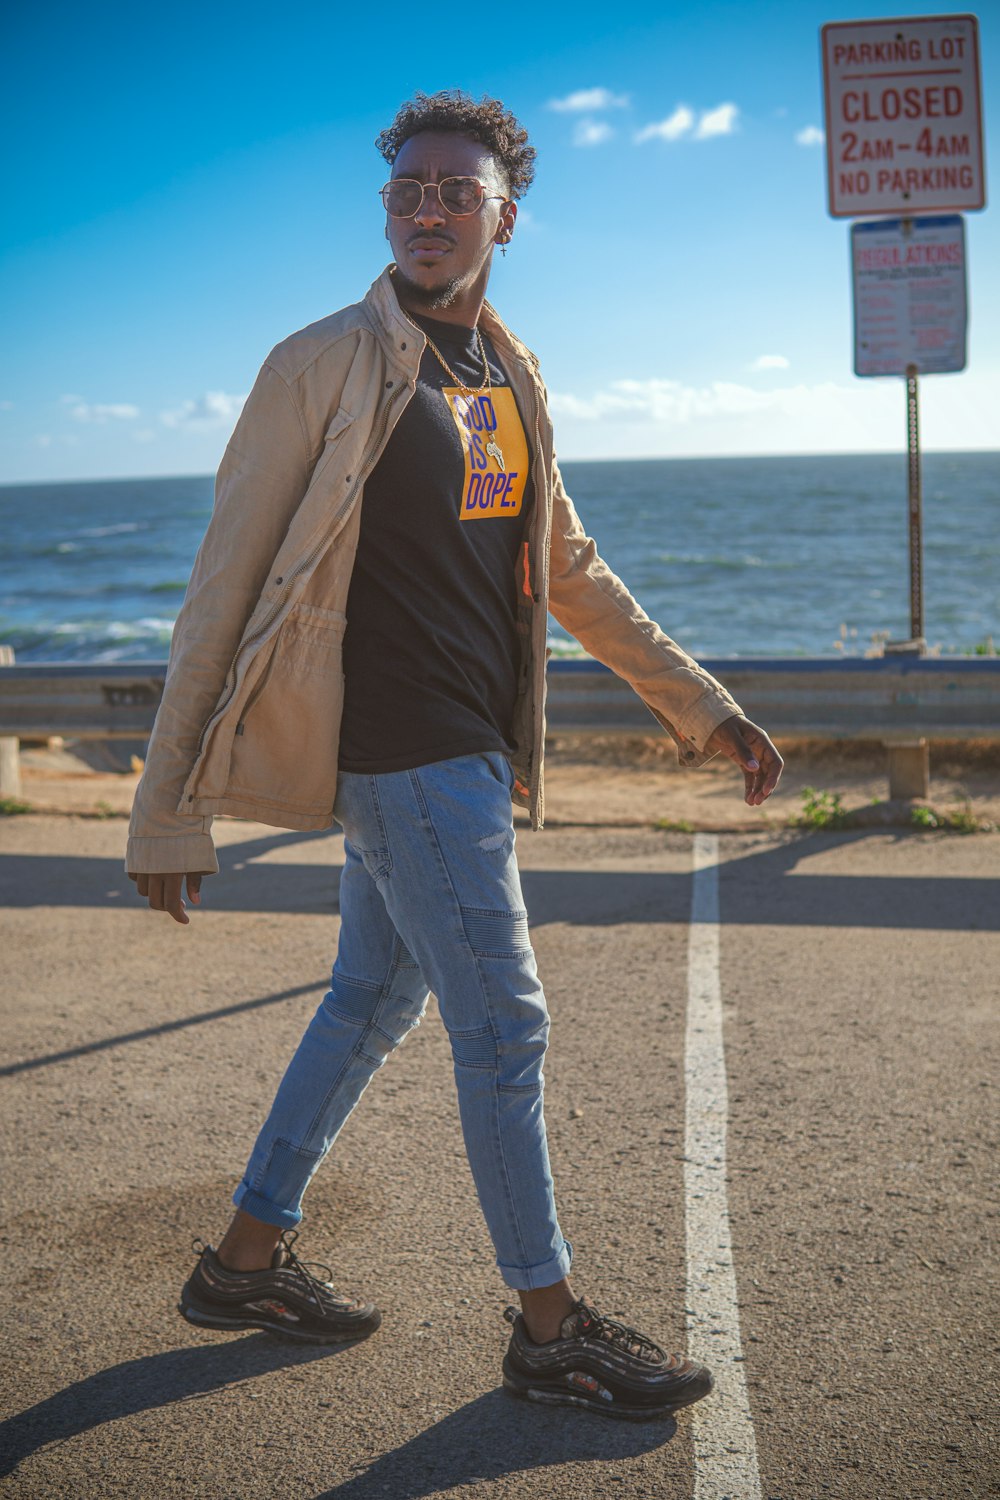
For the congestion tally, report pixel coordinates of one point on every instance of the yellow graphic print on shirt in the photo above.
(495, 449)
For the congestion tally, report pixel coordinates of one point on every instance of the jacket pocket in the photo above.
(285, 746)
(339, 424)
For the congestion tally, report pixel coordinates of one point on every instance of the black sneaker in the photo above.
(599, 1363)
(287, 1299)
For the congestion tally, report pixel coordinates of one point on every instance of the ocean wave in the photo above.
(713, 560)
(89, 640)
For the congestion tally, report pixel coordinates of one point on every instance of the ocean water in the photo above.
(734, 557)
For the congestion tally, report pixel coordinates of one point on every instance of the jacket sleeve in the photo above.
(261, 481)
(594, 605)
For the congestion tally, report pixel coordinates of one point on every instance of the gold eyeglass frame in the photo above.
(437, 186)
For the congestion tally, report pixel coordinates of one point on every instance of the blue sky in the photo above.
(186, 186)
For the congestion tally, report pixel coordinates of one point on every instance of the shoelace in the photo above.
(592, 1324)
(316, 1287)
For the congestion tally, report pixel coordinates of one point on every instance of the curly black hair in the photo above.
(486, 121)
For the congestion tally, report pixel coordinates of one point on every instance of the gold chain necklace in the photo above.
(492, 447)
(466, 390)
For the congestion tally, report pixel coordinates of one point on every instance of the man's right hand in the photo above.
(164, 892)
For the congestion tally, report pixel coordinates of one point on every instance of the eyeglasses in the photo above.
(459, 196)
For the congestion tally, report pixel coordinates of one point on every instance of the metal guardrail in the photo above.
(900, 700)
(882, 698)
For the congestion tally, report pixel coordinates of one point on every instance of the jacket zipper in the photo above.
(535, 800)
(299, 568)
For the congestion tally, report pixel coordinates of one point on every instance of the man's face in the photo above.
(439, 257)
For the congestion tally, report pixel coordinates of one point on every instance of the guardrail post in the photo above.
(10, 745)
(909, 769)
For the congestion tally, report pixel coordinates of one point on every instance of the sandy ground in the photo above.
(614, 782)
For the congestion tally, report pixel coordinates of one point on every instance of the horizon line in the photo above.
(10, 484)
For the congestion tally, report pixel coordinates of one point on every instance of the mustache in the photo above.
(430, 239)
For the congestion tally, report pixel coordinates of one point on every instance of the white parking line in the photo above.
(724, 1445)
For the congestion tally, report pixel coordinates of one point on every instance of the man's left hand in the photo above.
(748, 745)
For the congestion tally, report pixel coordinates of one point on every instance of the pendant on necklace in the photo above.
(495, 452)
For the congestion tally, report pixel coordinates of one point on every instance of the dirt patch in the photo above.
(629, 781)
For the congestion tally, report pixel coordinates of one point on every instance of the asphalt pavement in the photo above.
(858, 975)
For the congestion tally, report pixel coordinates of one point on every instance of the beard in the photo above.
(430, 298)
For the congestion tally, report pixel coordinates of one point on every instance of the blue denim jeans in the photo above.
(430, 898)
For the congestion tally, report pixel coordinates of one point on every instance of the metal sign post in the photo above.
(916, 519)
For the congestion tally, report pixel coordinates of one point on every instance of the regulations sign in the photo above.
(903, 116)
(909, 295)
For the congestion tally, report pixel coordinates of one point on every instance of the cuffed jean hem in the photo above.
(531, 1278)
(257, 1207)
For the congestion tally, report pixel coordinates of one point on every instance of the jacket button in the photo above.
(537, 598)
(388, 385)
(402, 346)
(279, 580)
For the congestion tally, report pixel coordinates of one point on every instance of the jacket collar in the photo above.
(397, 331)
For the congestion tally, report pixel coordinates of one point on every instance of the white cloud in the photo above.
(718, 121)
(662, 401)
(591, 132)
(588, 101)
(668, 418)
(811, 135)
(770, 362)
(101, 412)
(670, 129)
(213, 409)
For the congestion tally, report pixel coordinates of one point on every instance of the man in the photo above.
(363, 639)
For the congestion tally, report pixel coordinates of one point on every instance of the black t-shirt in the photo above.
(430, 652)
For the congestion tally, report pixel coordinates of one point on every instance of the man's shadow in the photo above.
(486, 1438)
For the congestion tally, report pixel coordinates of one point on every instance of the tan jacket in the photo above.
(250, 717)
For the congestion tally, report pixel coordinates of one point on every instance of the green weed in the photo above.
(11, 806)
(821, 809)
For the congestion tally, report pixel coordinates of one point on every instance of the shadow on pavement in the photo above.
(86, 1048)
(762, 886)
(493, 1437)
(485, 1439)
(140, 1385)
(766, 887)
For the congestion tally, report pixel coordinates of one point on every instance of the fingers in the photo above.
(763, 781)
(165, 895)
(728, 738)
(163, 892)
